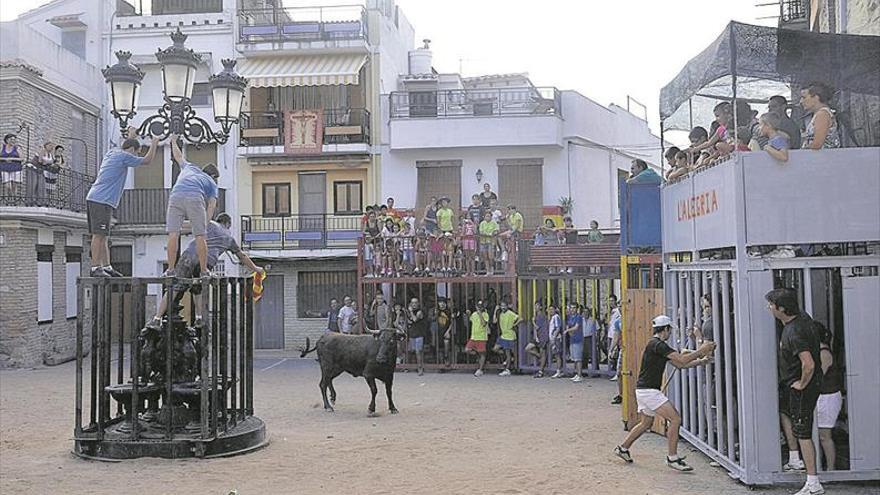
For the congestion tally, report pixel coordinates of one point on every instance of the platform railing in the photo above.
(203, 372)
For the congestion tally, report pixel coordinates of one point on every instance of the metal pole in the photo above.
(77, 427)
(715, 367)
(136, 306)
(733, 60)
(233, 351)
(93, 397)
(729, 345)
(120, 352)
(224, 350)
(169, 327)
(249, 335)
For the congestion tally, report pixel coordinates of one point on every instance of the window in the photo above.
(201, 95)
(74, 41)
(120, 258)
(44, 283)
(72, 267)
(317, 288)
(347, 197)
(276, 200)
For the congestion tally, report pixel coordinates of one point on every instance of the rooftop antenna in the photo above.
(427, 44)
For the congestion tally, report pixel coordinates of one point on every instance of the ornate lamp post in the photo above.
(176, 116)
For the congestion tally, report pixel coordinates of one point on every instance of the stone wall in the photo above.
(24, 341)
(49, 115)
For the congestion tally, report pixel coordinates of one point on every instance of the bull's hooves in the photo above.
(329, 409)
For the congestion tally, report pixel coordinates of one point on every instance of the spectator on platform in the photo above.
(778, 105)
(392, 212)
(475, 210)
(594, 235)
(743, 138)
(104, 195)
(680, 168)
(423, 253)
(445, 216)
(777, 141)
(488, 231)
(333, 316)
(487, 196)
(372, 248)
(346, 316)
(724, 119)
(574, 328)
(468, 235)
(514, 222)
(479, 334)
(407, 247)
(822, 130)
(548, 231)
(641, 173)
(442, 319)
(539, 338)
(670, 156)
(507, 321)
(830, 398)
(35, 173)
(429, 217)
(11, 164)
(193, 197)
(568, 233)
(390, 249)
(51, 171)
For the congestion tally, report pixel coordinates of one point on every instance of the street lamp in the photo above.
(176, 116)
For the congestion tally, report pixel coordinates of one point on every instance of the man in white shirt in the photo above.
(556, 340)
(346, 315)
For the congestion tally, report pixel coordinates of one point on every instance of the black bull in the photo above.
(371, 356)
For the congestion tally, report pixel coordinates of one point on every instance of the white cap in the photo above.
(661, 321)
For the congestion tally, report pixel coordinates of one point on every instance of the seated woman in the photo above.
(822, 130)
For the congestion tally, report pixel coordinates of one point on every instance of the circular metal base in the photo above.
(246, 436)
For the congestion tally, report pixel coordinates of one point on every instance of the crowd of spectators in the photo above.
(487, 330)
(33, 180)
(774, 132)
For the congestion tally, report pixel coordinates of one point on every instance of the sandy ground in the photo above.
(455, 434)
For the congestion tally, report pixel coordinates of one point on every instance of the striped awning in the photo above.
(308, 70)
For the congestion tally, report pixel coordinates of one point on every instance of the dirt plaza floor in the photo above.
(455, 434)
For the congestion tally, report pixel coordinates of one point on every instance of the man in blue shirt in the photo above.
(104, 195)
(193, 197)
(641, 173)
(574, 327)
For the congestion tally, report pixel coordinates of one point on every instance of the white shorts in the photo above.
(649, 400)
(827, 408)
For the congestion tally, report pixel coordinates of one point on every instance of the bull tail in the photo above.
(304, 351)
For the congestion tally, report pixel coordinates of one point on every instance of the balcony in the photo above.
(459, 118)
(317, 231)
(332, 28)
(345, 130)
(143, 210)
(817, 197)
(31, 198)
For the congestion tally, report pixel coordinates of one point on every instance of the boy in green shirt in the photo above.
(507, 321)
(445, 216)
(488, 233)
(476, 344)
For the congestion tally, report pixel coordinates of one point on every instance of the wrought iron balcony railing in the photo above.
(498, 102)
(148, 206)
(332, 23)
(307, 231)
(341, 126)
(32, 187)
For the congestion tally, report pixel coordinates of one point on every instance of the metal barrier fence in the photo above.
(65, 190)
(180, 389)
(476, 102)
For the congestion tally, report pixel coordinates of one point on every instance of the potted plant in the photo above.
(566, 204)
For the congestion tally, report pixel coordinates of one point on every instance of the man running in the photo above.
(219, 240)
(650, 399)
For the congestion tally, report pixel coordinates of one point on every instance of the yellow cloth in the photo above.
(487, 228)
(444, 219)
(516, 222)
(258, 285)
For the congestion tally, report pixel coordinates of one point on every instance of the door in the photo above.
(860, 316)
(436, 180)
(312, 207)
(639, 307)
(520, 182)
(269, 315)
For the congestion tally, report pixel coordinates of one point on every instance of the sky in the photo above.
(606, 50)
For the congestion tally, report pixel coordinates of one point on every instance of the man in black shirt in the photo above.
(649, 396)
(800, 379)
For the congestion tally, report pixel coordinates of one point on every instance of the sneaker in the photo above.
(617, 400)
(98, 271)
(168, 273)
(678, 464)
(613, 378)
(154, 323)
(814, 489)
(504, 372)
(794, 466)
(558, 374)
(538, 374)
(577, 378)
(478, 373)
(113, 273)
(623, 453)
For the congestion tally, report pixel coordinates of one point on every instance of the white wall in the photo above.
(459, 132)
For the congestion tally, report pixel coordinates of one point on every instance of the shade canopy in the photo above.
(767, 61)
(309, 70)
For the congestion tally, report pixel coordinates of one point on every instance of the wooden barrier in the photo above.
(640, 306)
